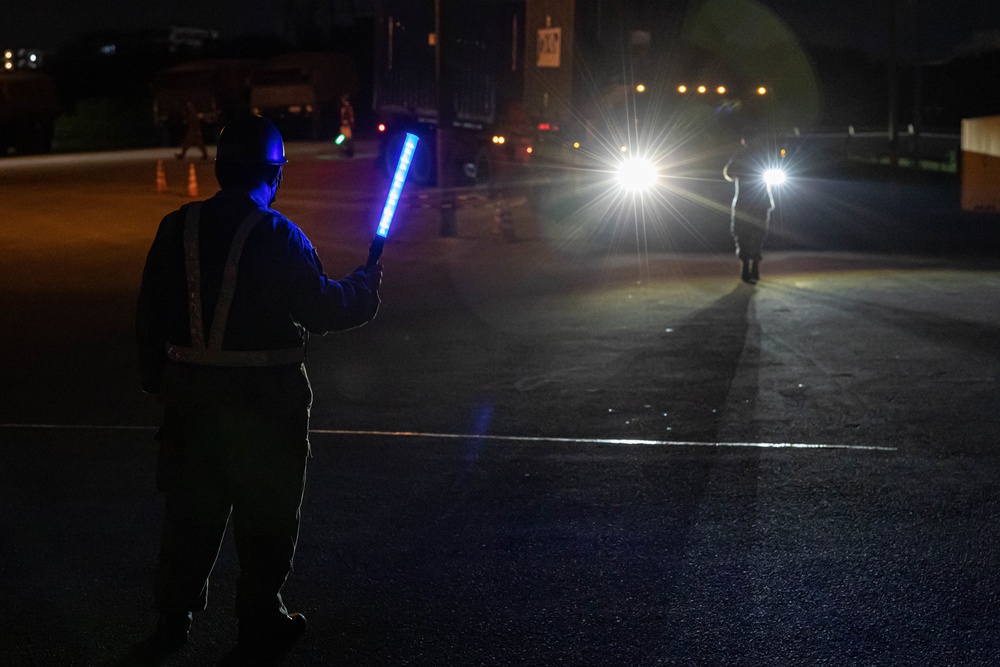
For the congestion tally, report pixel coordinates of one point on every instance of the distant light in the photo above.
(721, 90)
(8, 54)
(782, 152)
(702, 90)
(8, 65)
(762, 91)
(682, 89)
(544, 127)
(529, 150)
(624, 149)
(497, 139)
(33, 57)
(340, 139)
(576, 144)
(109, 49)
(381, 127)
(637, 174)
(640, 88)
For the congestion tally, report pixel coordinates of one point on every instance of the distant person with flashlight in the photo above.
(346, 137)
(230, 292)
(753, 201)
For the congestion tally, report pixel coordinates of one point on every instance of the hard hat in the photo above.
(250, 140)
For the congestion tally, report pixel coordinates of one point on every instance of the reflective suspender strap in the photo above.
(284, 357)
(213, 354)
(192, 266)
(221, 317)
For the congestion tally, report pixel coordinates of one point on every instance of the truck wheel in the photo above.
(484, 167)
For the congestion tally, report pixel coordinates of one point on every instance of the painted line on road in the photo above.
(605, 441)
(80, 427)
(504, 438)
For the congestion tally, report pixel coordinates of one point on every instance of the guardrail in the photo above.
(934, 145)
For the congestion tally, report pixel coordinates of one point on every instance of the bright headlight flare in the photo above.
(636, 174)
(774, 176)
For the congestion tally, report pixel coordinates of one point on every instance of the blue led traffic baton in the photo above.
(398, 179)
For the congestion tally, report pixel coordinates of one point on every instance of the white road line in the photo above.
(504, 438)
(607, 441)
(80, 427)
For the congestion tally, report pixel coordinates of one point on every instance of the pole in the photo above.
(893, 73)
(918, 92)
(445, 114)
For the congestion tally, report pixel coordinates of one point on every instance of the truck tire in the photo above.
(484, 166)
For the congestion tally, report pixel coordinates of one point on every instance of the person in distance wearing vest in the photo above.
(753, 200)
(230, 292)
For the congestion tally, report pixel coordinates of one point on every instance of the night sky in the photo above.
(861, 24)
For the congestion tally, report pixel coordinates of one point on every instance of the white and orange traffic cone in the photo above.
(161, 177)
(192, 182)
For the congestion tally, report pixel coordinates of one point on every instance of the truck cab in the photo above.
(28, 108)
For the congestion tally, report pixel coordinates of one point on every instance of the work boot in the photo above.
(170, 635)
(754, 271)
(266, 641)
(172, 629)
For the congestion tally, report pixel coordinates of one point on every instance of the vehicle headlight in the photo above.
(774, 176)
(637, 174)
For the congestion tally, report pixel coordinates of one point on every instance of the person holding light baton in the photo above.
(230, 292)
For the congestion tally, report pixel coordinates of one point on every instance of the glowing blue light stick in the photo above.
(392, 199)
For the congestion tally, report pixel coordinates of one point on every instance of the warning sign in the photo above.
(549, 46)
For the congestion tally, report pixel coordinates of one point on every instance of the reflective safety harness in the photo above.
(209, 351)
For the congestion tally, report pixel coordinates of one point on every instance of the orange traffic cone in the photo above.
(192, 182)
(161, 177)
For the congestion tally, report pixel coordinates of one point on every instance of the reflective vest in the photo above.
(208, 351)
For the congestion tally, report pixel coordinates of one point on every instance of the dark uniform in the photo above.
(193, 136)
(230, 292)
(752, 205)
(347, 125)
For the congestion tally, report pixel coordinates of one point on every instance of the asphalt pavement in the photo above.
(589, 446)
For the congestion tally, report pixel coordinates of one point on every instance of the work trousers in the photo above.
(749, 229)
(222, 461)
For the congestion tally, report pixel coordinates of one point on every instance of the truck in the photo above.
(541, 82)
(29, 105)
(218, 88)
(301, 92)
(981, 164)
